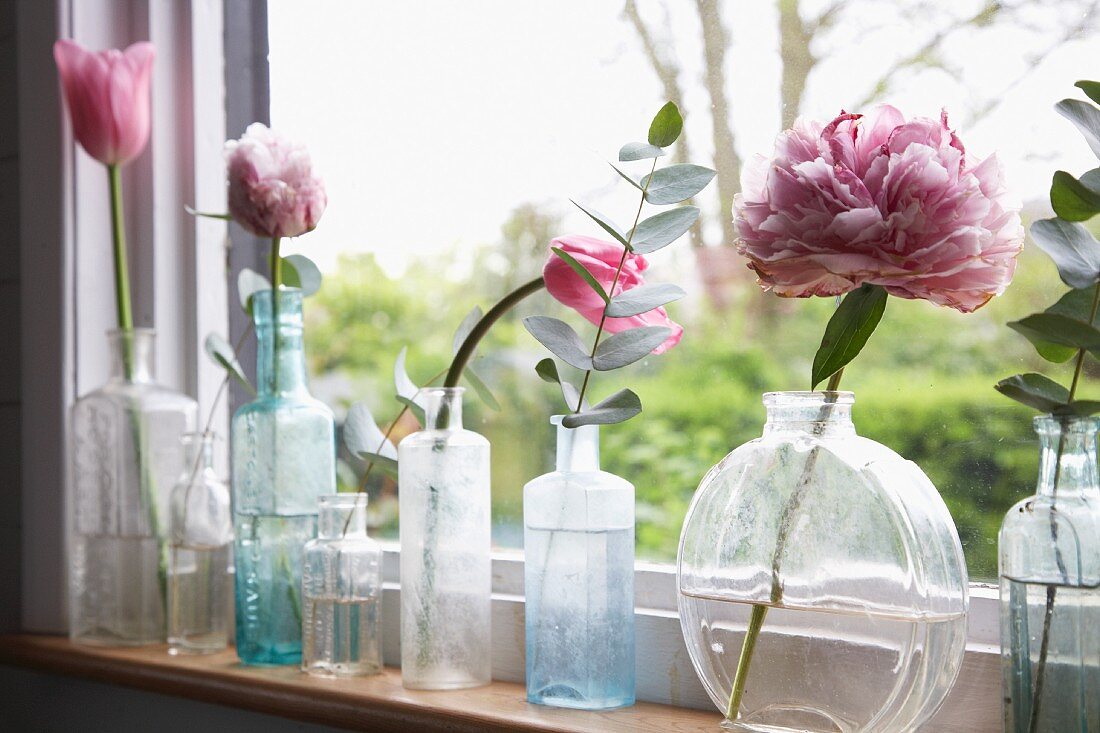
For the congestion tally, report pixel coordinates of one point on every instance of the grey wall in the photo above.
(10, 388)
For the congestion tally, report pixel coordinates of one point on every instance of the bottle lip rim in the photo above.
(441, 391)
(1049, 422)
(344, 500)
(136, 331)
(796, 398)
(281, 289)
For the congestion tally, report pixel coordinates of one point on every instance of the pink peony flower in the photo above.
(601, 259)
(107, 93)
(272, 189)
(875, 199)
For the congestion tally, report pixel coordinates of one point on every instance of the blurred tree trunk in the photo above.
(794, 54)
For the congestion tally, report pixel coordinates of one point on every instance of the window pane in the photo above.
(451, 137)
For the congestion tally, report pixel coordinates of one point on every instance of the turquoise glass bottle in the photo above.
(283, 459)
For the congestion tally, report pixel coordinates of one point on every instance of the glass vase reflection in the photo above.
(1050, 588)
(579, 579)
(283, 459)
(126, 457)
(446, 569)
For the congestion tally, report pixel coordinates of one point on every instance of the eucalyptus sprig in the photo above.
(672, 184)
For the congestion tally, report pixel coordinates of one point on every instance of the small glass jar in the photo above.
(342, 592)
(201, 553)
(446, 567)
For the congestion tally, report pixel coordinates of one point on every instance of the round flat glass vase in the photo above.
(822, 585)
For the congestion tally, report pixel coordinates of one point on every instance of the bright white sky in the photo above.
(431, 121)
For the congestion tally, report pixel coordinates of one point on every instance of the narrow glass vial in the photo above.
(579, 579)
(126, 456)
(1050, 588)
(283, 459)
(200, 554)
(342, 592)
(446, 569)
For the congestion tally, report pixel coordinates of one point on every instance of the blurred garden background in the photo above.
(475, 144)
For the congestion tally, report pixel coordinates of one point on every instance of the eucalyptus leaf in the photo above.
(1090, 88)
(643, 299)
(1075, 304)
(663, 229)
(1058, 329)
(402, 382)
(1075, 252)
(851, 324)
(300, 272)
(219, 350)
(639, 151)
(1034, 390)
(362, 434)
(627, 347)
(617, 408)
(676, 183)
(560, 338)
(414, 407)
(482, 389)
(606, 224)
(250, 282)
(626, 177)
(1074, 200)
(1087, 119)
(207, 214)
(583, 272)
(1080, 408)
(465, 328)
(666, 126)
(547, 369)
(384, 463)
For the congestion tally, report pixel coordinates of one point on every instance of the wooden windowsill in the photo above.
(376, 704)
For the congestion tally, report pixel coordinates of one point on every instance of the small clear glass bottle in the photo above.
(127, 456)
(342, 592)
(200, 554)
(283, 460)
(1050, 587)
(579, 579)
(446, 568)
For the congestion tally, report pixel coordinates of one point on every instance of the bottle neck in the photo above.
(342, 515)
(280, 356)
(578, 448)
(442, 408)
(132, 355)
(198, 455)
(821, 414)
(1067, 456)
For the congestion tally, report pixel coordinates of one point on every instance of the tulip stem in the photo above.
(627, 249)
(122, 272)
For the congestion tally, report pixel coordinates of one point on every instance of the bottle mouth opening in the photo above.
(441, 391)
(138, 331)
(808, 399)
(1076, 424)
(343, 501)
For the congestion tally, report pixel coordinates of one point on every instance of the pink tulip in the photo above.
(601, 259)
(272, 189)
(881, 200)
(108, 98)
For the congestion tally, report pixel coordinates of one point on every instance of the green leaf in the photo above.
(414, 408)
(676, 183)
(1080, 408)
(643, 299)
(362, 434)
(1075, 200)
(402, 382)
(250, 282)
(482, 390)
(627, 347)
(560, 338)
(207, 214)
(1090, 88)
(1087, 119)
(1058, 329)
(300, 272)
(604, 223)
(581, 270)
(386, 464)
(617, 408)
(547, 369)
(666, 126)
(219, 350)
(628, 178)
(464, 329)
(1075, 252)
(639, 151)
(1034, 390)
(663, 229)
(848, 330)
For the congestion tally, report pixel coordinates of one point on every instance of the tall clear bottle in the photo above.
(579, 579)
(201, 550)
(126, 456)
(446, 569)
(283, 459)
(1050, 588)
(342, 591)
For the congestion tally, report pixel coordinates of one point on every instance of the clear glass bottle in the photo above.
(342, 592)
(1050, 587)
(200, 553)
(127, 456)
(578, 535)
(283, 460)
(847, 559)
(446, 569)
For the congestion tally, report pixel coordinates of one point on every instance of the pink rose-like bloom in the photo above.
(601, 259)
(272, 189)
(875, 199)
(107, 93)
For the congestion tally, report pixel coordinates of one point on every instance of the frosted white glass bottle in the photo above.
(446, 569)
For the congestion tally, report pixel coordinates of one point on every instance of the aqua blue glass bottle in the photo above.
(283, 459)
